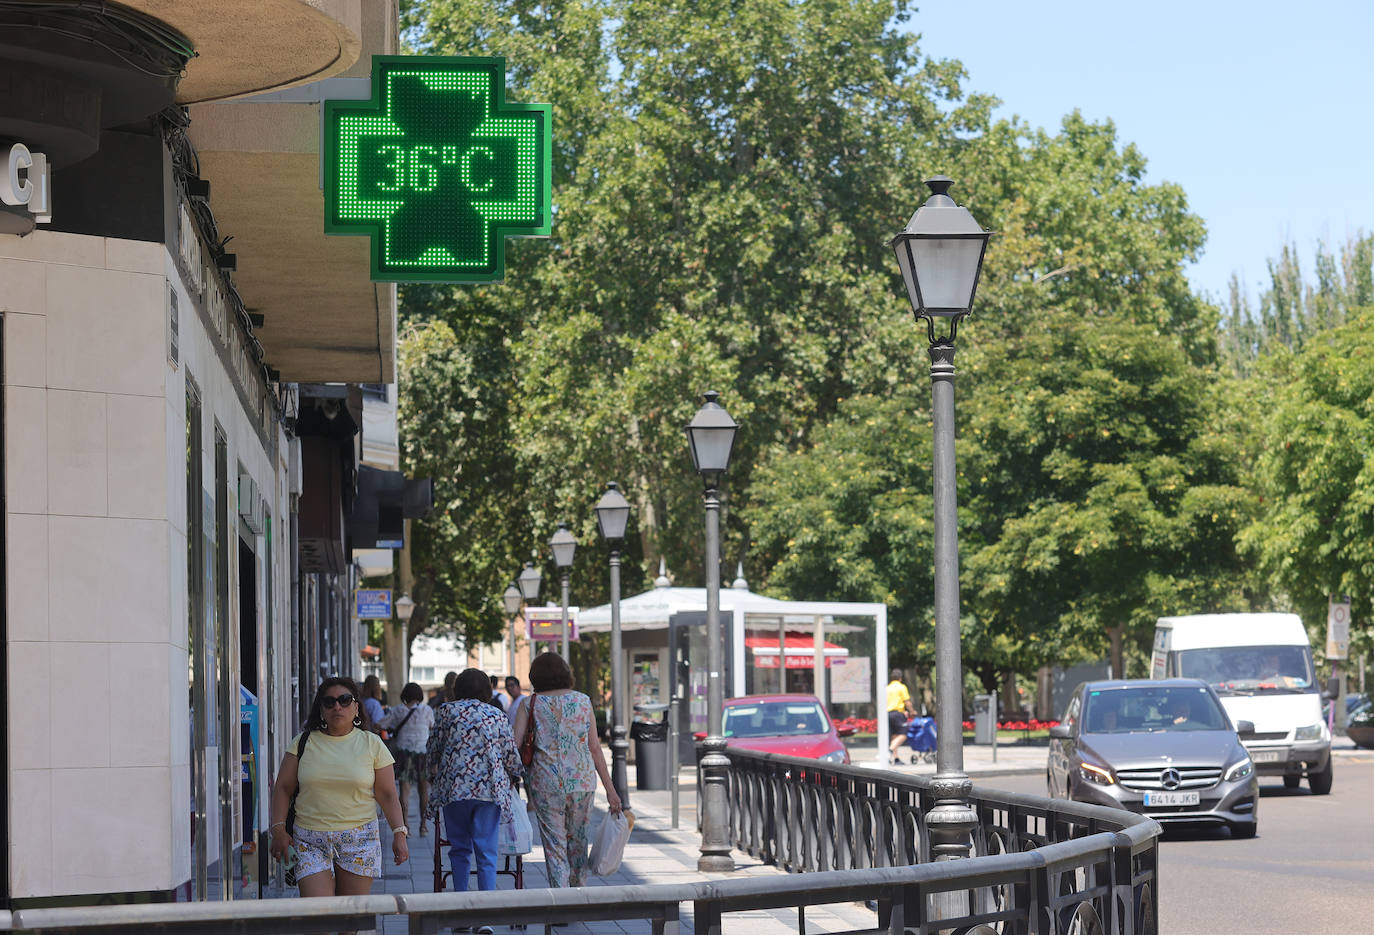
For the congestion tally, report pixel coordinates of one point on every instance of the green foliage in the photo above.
(1316, 536)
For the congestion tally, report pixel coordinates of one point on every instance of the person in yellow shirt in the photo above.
(342, 772)
(899, 709)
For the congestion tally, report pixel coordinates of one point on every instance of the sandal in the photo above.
(424, 829)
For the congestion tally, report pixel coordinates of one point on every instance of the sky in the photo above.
(1261, 111)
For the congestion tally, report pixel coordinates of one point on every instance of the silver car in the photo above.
(1162, 748)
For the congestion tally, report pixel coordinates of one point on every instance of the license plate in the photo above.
(1268, 756)
(1170, 798)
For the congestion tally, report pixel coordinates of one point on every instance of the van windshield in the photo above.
(1250, 670)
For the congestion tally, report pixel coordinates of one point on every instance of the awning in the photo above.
(801, 651)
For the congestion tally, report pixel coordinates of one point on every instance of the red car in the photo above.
(793, 725)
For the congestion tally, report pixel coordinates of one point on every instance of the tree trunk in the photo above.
(1044, 694)
(1118, 665)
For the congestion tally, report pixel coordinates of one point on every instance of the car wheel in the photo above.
(1245, 831)
(1049, 785)
(1292, 780)
(1320, 783)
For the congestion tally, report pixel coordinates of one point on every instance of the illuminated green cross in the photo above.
(437, 168)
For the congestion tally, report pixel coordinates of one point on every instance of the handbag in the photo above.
(292, 861)
(527, 742)
(393, 735)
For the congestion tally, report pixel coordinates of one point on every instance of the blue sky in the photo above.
(1260, 110)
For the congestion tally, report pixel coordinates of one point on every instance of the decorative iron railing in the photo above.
(848, 834)
(1039, 866)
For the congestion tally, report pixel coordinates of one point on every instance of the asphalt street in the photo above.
(1310, 869)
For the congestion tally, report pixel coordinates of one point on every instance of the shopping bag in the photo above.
(517, 836)
(609, 846)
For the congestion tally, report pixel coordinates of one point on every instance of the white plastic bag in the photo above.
(516, 837)
(609, 845)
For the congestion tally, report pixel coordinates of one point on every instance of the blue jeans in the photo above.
(473, 827)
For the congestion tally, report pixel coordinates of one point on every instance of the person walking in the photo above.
(498, 697)
(409, 724)
(372, 702)
(899, 710)
(513, 692)
(567, 761)
(445, 694)
(472, 758)
(338, 772)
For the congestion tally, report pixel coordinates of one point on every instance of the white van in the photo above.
(1261, 667)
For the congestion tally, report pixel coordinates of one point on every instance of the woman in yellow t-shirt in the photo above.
(343, 772)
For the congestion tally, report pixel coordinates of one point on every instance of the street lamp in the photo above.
(940, 255)
(512, 599)
(711, 435)
(612, 516)
(404, 607)
(563, 545)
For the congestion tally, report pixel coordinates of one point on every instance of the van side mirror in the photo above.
(1333, 688)
(1245, 728)
(1061, 732)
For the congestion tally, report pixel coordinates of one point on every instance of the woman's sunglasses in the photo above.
(329, 701)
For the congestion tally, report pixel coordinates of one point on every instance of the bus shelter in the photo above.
(835, 650)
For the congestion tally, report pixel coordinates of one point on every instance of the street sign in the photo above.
(546, 623)
(373, 604)
(1337, 627)
(437, 168)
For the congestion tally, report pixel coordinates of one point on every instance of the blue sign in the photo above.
(374, 604)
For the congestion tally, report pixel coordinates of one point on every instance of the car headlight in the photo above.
(1311, 732)
(1240, 770)
(835, 757)
(1096, 774)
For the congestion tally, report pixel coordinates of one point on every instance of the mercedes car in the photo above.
(1163, 748)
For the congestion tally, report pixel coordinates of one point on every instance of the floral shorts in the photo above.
(357, 850)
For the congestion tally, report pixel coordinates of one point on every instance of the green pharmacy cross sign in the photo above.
(437, 168)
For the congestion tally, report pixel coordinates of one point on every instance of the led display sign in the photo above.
(437, 168)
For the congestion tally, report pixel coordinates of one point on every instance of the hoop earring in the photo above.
(357, 720)
(324, 725)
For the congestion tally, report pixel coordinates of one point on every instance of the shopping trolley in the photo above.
(513, 865)
(920, 734)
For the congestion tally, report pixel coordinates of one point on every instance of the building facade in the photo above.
(184, 361)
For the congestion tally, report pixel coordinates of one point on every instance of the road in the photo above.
(1310, 869)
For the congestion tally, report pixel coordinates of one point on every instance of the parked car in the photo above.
(793, 725)
(1163, 748)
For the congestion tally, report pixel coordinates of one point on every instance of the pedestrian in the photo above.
(567, 761)
(498, 698)
(372, 702)
(472, 758)
(445, 694)
(409, 724)
(513, 690)
(899, 711)
(338, 772)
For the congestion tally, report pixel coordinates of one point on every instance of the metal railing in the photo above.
(847, 834)
(1039, 865)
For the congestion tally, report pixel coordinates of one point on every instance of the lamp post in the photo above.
(612, 516)
(529, 581)
(405, 607)
(563, 545)
(512, 599)
(940, 254)
(711, 436)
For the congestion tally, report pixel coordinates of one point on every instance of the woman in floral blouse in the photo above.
(472, 758)
(567, 760)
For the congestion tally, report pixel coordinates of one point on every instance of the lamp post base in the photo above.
(950, 824)
(715, 831)
(620, 748)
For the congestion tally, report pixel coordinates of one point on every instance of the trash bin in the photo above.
(651, 747)
(984, 719)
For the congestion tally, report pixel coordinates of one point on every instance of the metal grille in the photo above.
(1152, 780)
(1268, 735)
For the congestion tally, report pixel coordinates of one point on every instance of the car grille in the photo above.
(1151, 780)
(1268, 735)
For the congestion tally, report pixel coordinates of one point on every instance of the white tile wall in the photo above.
(134, 581)
(125, 811)
(140, 717)
(29, 694)
(26, 348)
(26, 449)
(136, 466)
(55, 247)
(75, 554)
(77, 453)
(106, 331)
(81, 732)
(23, 287)
(26, 559)
(135, 256)
(30, 832)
